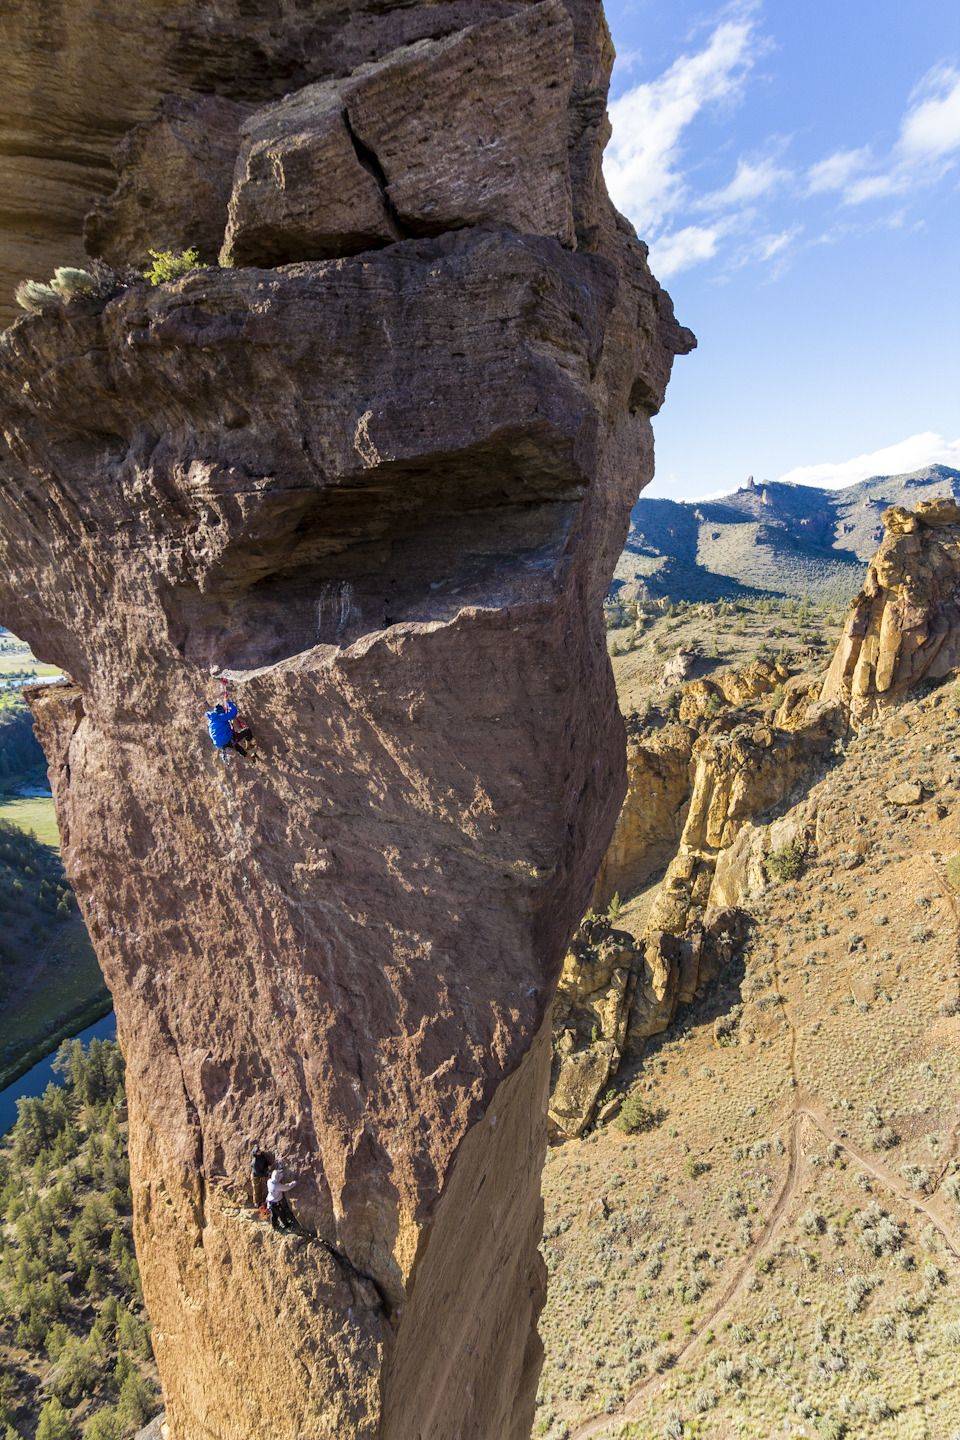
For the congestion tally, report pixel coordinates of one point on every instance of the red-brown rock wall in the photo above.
(383, 493)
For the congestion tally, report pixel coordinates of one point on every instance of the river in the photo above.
(35, 1081)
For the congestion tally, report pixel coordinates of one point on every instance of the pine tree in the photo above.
(54, 1422)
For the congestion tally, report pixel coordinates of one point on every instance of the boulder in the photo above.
(591, 1015)
(906, 792)
(175, 174)
(658, 984)
(467, 130)
(679, 668)
(740, 875)
(156, 1430)
(744, 684)
(304, 189)
(581, 1077)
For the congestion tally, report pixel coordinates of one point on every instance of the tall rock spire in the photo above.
(378, 474)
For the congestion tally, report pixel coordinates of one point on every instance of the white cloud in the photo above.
(771, 247)
(932, 127)
(927, 147)
(917, 451)
(643, 158)
(752, 180)
(837, 170)
(650, 178)
(683, 248)
(627, 60)
(875, 187)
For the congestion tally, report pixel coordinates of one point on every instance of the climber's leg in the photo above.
(242, 742)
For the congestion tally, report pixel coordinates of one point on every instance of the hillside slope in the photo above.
(782, 1246)
(773, 539)
(74, 1344)
(760, 1232)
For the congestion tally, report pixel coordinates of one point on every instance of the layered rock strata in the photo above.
(718, 801)
(744, 745)
(77, 79)
(591, 1018)
(905, 623)
(383, 488)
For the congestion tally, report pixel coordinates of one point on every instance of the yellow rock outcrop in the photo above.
(905, 623)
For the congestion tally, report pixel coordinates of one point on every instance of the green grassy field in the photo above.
(15, 658)
(13, 664)
(35, 815)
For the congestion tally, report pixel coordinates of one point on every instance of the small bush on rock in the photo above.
(786, 863)
(69, 282)
(37, 298)
(170, 265)
(635, 1117)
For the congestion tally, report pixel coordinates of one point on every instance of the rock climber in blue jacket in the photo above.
(225, 733)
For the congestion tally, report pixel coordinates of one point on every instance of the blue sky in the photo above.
(795, 167)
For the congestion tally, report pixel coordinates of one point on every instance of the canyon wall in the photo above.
(688, 848)
(718, 807)
(377, 470)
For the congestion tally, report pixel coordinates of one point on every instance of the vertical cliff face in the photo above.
(378, 473)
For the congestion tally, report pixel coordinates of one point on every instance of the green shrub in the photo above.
(137, 1402)
(105, 1425)
(635, 1116)
(69, 282)
(77, 1372)
(953, 872)
(786, 863)
(54, 1422)
(170, 265)
(8, 1398)
(37, 298)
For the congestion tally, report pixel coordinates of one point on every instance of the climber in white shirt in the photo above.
(281, 1215)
